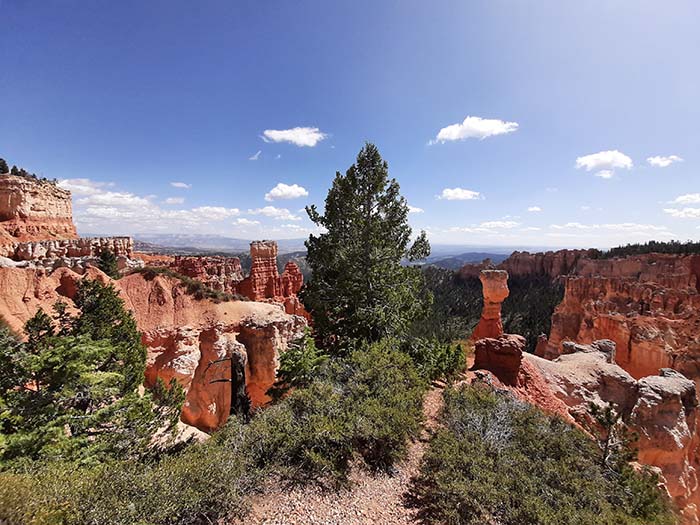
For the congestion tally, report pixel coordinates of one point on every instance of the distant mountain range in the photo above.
(442, 255)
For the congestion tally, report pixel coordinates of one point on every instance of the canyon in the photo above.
(194, 340)
(626, 333)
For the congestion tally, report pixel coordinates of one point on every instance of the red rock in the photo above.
(501, 355)
(218, 273)
(32, 210)
(495, 290)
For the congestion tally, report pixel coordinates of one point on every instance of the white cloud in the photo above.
(285, 191)
(459, 194)
(530, 229)
(684, 213)
(182, 185)
(604, 161)
(414, 209)
(585, 208)
(499, 224)
(256, 156)
(114, 198)
(663, 162)
(216, 213)
(83, 187)
(174, 200)
(688, 198)
(299, 136)
(614, 227)
(605, 174)
(534, 209)
(474, 128)
(275, 213)
(245, 222)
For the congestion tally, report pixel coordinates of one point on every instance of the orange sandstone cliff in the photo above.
(182, 334)
(32, 209)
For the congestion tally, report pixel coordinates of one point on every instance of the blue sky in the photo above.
(483, 109)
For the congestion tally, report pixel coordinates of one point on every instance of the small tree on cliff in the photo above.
(4, 168)
(359, 289)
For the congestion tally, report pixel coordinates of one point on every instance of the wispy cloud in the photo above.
(688, 198)
(414, 209)
(299, 136)
(275, 213)
(174, 200)
(683, 213)
(663, 162)
(534, 209)
(182, 185)
(256, 156)
(474, 128)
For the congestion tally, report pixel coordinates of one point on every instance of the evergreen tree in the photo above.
(74, 395)
(107, 262)
(359, 290)
(4, 168)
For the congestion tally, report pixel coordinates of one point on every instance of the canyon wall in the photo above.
(219, 273)
(31, 209)
(183, 335)
(648, 304)
(521, 264)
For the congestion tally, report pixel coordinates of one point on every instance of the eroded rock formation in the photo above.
(219, 273)
(32, 209)
(183, 335)
(495, 290)
(501, 355)
(265, 283)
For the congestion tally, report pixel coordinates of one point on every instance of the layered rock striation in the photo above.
(32, 209)
(219, 273)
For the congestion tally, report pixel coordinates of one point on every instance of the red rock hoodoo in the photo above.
(218, 273)
(495, 290)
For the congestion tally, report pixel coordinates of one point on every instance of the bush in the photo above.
(299, 365)
(193, 287)
(368, 404)
(435, 359)
(204, 484)
(499, 460)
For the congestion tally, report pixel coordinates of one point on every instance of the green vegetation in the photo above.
(364, 406)
(193, 287)
(21, 172)
(70, 392)
(359, 290)
(107, 262)
(678, 247)
(4, 168)
(458, 302)
(498, 460)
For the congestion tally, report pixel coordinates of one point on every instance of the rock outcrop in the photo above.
(219, 273)
(522, 264)
(495, 290)
(32, 209)
(183, 335)
(655, 322)
(501, 355)
(266, 284)
(661, 409)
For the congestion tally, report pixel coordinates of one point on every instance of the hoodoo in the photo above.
(495, 290)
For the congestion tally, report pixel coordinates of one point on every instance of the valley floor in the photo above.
(372, 499)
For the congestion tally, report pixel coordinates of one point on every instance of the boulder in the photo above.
(501, 356)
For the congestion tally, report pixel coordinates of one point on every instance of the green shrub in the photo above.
(435, 359)
(299, 365)
(499, 460)
(203, 484)
(193, 287)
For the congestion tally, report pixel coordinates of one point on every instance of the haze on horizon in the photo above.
(506, 124)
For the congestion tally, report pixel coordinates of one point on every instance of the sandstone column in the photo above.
(495, 290)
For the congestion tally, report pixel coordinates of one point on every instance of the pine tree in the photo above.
(360, 291)
(107, 262)
(4, 168)
(75, 394)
